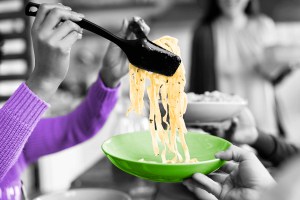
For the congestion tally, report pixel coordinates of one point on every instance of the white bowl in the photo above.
(86, 194)
(205, 112)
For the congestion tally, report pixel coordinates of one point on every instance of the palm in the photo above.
(234, 188)
(115, 62)
(242, 182)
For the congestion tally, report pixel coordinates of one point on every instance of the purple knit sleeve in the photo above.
(55, 134)
(18, 118)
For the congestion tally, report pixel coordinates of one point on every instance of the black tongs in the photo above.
(141, 52)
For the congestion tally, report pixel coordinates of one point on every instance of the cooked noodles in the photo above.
(170, 90)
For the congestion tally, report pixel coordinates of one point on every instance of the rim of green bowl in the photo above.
(168, 164)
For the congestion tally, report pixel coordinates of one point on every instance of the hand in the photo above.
(245, 132)
(53, 34)
(115, 64)
(242, 180)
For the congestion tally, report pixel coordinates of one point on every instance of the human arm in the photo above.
(245, 178)
(23, 110)
(52, 41)
(274, 149)
(269, 147)
(18, 118)
(115, 62)
(55, 134)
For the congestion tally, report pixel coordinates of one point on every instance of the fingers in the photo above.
(236, 154)
(247, 118)
(50, 15)
(43, 11)
(112, 47)
(206, 183)
(69, 40)
(56, 15)
(145, 28)
(64, 29)
(201, 193)
(124, 29)
(218, 177)
(229, 167)
(232, 129)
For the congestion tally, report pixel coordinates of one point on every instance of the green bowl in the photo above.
(125, 151)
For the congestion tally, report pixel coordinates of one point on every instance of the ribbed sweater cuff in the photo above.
(265, 145)
(102, 93)
(25, 106)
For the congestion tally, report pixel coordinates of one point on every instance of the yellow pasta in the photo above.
(170, 90)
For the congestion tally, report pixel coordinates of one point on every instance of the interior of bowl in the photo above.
(133, 153)
(138, 145)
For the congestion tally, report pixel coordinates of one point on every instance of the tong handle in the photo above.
(31, 9)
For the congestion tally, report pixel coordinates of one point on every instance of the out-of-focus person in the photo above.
(271, 148)
(24, 135)
(232, 51)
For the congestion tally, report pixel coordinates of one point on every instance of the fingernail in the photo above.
(81, 30)
(67, 8)
(79, 36)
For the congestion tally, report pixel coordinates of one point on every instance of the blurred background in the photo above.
(176, 18)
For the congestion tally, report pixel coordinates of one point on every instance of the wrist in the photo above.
(42, 87)
(108, 80)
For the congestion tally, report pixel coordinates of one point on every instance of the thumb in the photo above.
(113, 49)
(124, 32)
(247, 118)
(236, 154)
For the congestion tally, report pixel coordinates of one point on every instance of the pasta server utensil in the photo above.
(141, 52)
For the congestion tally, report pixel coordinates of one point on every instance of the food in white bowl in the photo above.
(214, 96)
(212, 107)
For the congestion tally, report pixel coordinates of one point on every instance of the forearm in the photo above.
(18, 118)
(55, 134)
(275, 150)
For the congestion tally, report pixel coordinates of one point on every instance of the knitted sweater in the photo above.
(24, 136)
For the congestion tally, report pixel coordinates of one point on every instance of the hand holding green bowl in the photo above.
(126, 151)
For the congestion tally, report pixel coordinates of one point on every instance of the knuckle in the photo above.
(73, 14)
(62, 49)
(72, 25)
(75, 34)
(43, 6)
(55, 12)
(40, 37)
(69, 23)
(51, 43)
